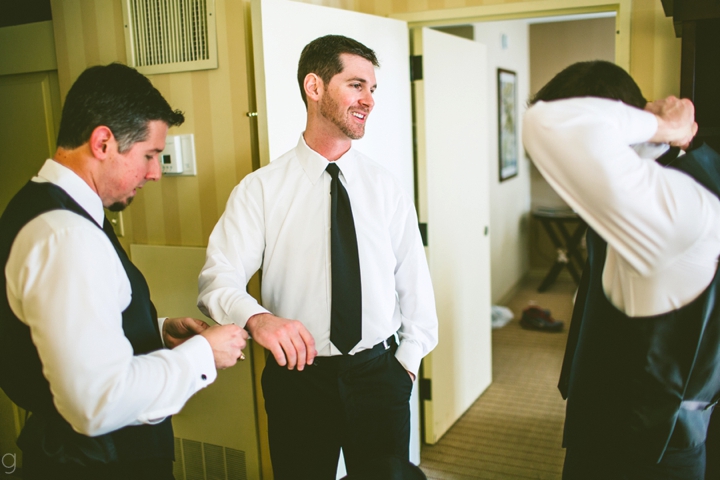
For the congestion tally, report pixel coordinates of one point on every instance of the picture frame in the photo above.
(507, 124)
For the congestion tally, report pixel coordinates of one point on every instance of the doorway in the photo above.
(514, 430)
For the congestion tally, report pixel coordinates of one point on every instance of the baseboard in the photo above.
(507, 296)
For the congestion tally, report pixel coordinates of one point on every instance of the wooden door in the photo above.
(453, 190)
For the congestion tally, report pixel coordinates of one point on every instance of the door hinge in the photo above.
(423, 233)
(425, 389)
(416, 68)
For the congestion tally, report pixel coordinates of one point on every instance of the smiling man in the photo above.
(343, 273)
(81, 346)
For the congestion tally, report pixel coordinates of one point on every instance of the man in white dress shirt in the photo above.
(320, 392)
(81, 346)
(642, 367)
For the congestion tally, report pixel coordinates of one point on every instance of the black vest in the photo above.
(21, 370)
(643, 383)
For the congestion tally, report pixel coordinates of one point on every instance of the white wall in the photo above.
(554, 46)
(509, 200)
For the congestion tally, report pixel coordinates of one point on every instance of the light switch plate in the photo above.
(116, 219)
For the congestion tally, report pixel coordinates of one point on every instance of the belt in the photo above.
(346, 361)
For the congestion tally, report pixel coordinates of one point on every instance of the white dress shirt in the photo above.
(66, 282)
(278, 219)
(662, 227)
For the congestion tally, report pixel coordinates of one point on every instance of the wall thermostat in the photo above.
(178, 158)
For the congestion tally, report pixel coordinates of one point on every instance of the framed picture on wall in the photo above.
(507, 124)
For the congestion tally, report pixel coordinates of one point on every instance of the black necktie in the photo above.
(346, 314)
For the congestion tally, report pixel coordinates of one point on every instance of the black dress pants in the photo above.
(336, 402)
(605, 464)
(40, 468)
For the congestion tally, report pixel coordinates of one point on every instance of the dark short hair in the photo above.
(118, 97)
(322, 57)
(592, 79)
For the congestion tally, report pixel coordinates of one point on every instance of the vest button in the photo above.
(203, 376)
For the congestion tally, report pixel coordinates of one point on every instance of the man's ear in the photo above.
(100, 140)
(313, 86)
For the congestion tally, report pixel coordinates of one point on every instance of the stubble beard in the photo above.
(120, 206)
(329, 109)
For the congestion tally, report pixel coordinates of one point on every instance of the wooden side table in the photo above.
(567, 244)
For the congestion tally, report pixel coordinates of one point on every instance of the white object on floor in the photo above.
(501, 316)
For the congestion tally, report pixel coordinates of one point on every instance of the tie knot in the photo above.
(333, 170)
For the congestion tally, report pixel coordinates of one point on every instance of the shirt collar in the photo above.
(315, 164)
(74, 186)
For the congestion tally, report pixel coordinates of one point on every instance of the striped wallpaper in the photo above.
(183, 211)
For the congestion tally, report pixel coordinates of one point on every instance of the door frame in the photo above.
(532, 9)
(517, 11)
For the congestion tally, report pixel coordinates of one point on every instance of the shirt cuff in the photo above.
(409, 355)
(161, 322)
(242, 311)
(642, 125)
(198, 352)
(199, 366)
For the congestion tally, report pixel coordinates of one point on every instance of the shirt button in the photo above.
(203, 376)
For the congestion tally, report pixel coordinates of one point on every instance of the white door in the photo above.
(451, 109)
(280, 31)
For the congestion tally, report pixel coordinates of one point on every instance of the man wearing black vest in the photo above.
(642, 366)
(343, 272)
(81, 346)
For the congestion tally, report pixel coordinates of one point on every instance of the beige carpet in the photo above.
(514, 430)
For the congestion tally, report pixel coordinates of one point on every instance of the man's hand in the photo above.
(676, 121)
(178, 330)
(288, 340)
(227, 342)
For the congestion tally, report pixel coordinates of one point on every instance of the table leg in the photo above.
(568, 252)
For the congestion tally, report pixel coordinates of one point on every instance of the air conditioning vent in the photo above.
(163, 36)
(203, 461)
